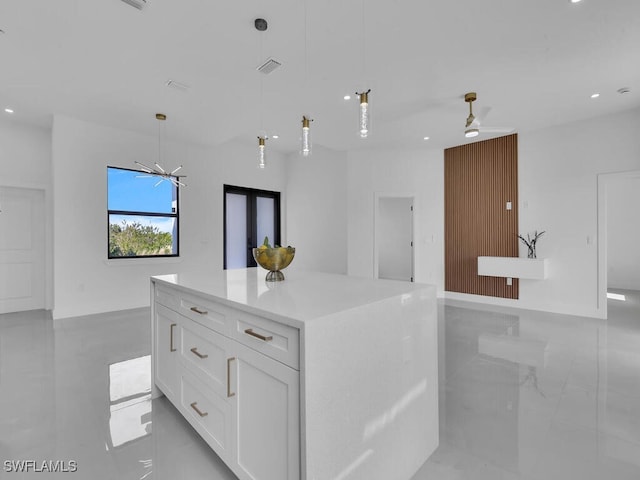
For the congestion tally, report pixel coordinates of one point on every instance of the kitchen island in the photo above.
(318, 377)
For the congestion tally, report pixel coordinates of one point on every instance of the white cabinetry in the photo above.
(165, 342)
(243, 402)
(318, 377)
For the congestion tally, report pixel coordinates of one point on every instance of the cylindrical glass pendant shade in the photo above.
(364, 113)
(305, 142)
(262, 154)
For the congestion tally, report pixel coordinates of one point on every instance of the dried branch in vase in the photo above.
(531, 243)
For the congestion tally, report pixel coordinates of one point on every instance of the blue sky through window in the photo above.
(128, 192)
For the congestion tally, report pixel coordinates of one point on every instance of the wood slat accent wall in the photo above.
(480, 178)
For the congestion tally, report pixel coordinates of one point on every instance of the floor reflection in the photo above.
(523, 395)
(130, 397)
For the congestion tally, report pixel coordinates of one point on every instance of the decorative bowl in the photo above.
(274, 259)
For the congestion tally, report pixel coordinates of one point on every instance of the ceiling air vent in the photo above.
(269, 66)
(177, 86)
(139, 4)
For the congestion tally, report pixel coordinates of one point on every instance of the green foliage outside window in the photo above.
(136, 240)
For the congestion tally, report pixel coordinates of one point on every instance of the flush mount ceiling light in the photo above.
(157, 170)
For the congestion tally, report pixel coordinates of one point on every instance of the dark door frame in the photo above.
(252, 195)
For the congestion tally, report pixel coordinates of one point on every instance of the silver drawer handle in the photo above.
(249, 331)
(197, 310)
(171, 327)
(202, 414)
(195, 351)
(229, 392)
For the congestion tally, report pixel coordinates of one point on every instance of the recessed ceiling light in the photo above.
(275, 136)
(426, 138)
(574, 1)
(624, 90)
(347, 97)
(595, 95)
(8, 110)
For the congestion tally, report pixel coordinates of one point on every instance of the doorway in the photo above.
(22, 249)
(618, 230)
(394, 255)
(250, 215)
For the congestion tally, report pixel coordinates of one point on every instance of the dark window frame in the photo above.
(132, 213)
(252, 241)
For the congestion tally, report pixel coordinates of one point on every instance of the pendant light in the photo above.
(364, 113)
(262, 25)
(364, 96)
(305, 143)
(262, 155)
(305, 136)
(157, 170)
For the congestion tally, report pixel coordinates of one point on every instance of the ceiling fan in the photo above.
(472, 126)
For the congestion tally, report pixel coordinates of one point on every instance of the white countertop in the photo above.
(302, 296)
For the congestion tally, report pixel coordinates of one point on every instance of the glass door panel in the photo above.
(250, 215)
(236, 230)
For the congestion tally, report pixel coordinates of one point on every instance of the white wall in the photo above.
(85, 281)
(558, 178)
(25, 156)
(416, 173)
(316, 210)
(623, 232)
(558, 192)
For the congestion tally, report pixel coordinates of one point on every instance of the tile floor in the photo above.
(523, 395)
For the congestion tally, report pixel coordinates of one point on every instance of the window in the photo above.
(142, 215)
(249, 216)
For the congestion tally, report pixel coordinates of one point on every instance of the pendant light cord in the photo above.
(364, 49)
(261, 88)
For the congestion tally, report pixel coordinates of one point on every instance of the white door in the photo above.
(394, 238)
(22, 247)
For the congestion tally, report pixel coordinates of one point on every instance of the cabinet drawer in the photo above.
(204, 353)
(278, 341)
(209, 314)
(208, 413)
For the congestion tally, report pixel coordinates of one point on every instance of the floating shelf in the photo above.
(513, 267)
